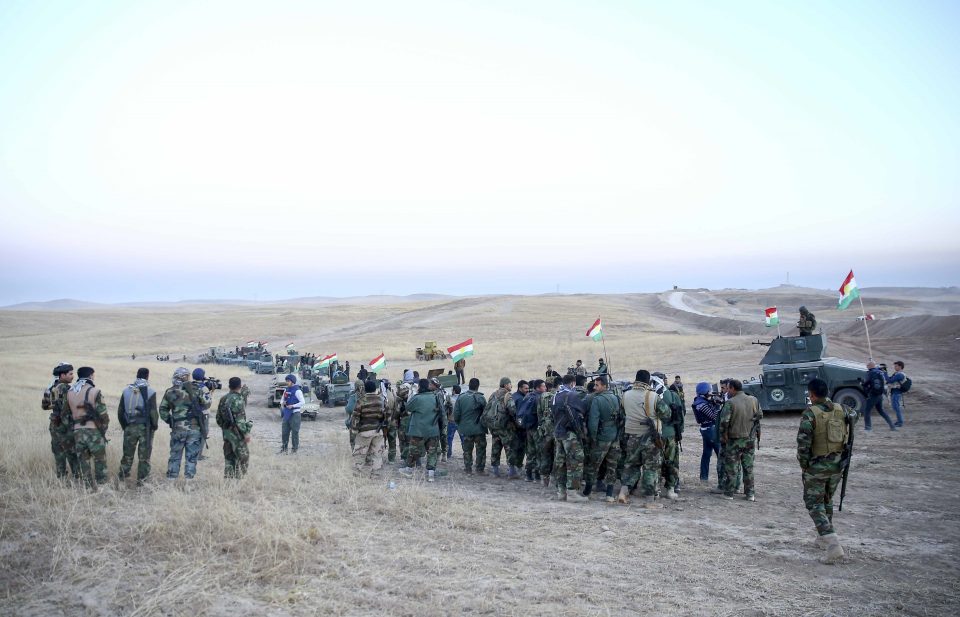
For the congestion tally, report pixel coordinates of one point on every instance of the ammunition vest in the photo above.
(830, 430)
(79, 402)
(639, 404)
(369, 412)
(742, 410)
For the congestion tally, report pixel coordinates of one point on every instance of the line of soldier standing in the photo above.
(79, 420)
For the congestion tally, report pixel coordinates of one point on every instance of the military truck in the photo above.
(332, 385)
(430, 351)
(791, 362)
(447, 381)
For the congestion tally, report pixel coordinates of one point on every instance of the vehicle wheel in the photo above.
(850, 397)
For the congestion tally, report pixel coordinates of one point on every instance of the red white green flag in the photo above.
(461, 350)
(325, 361)
(377, 364)
(848, 291)
(596, 330)
(773, 318)
(290, 345)
(250, 343)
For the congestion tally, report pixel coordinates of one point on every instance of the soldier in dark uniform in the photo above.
(807, 322)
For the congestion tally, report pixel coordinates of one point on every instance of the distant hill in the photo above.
(63, 304)
(67, 304)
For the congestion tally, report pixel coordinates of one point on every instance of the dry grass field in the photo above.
(300, 536)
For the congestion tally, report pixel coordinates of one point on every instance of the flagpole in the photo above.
(863, 311)
(603, 340)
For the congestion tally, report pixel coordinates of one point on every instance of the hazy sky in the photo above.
(172, 150)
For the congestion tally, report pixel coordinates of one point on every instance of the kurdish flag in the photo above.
(596, 330)
(461, 350)
(290, 345)
(773, 318)
(848, 291)
(250, 343)
(325, 361)
(377, 364)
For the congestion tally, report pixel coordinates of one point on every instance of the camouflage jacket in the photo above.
(544, 415)
(602, 418)
(177, 404)
(55, 401)
(673, 428)
(829, 464)
(231, 407)
(99, 408)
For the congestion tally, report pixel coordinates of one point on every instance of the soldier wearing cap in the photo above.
(61, 433)
(182, 408)
(90, 421)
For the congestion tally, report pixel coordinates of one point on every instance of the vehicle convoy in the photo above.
(430, 351)
(789, 365)
(332, 385)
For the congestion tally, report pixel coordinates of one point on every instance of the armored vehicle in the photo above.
(275, 398)
(447, 381)
(430, 351)
(789, 365)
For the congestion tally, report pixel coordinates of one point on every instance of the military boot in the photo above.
(650, 503)
(821, 543)
(536, 476)
(512, 473)
(496, 471)
(546, 480)
(588, 489)
(601, 486)
(430, 475)
(610, 498)
(671, 494)
(834, 550)
(623, 497)
(529, 476)
(406, 471)
(561, 494)
(575, 495)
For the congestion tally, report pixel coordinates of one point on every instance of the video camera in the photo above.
(212, 383)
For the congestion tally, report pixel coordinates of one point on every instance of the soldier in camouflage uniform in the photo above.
(182, 408)
(504, 438)
(671, 433)
(821, 440)
(568, 419)
(603, 427)
(90, 422)
(538, 388)
(807, 322)
(466, 413)
(61, 425)
(390, 426)
(427, 423)
(138, 417)
(401, 417)
(645, 412)
(739, 430)
(544, 433)
(368, 420)
(232, 420)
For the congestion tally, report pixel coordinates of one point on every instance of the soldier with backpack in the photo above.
(672, 434)
(138, 417)
(466, 414)
(644, 415)
(603, 427)
(569, 416)
(90, 420)
(61, 425)
(899, 384)
(875, 387)
(498, 417)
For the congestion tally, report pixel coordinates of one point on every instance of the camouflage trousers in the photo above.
(236, 454)
(64, 450)
(390, 436)
(603, 452)
(185, 443)
(670, 467)
(568, 462)
(90, 444)
(642, 464)
(423, 445)
(532, 452)
(622, 461)
(368, 452)
(820, 482)
(546, 450)
(471, 443)
(722, 474)
(507, 440)
(137, 439)
(739, 452)
(402, 437)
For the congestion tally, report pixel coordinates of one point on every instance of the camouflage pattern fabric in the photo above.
(236, 454)
(368, 452)
(391, 439)
(423, 445)
(821, 475)
(402, 437)
(568, 462)
(722, 474)
(532, 451)
(622, 461)
(471, 444)
(603, 452)
(499, 441)
(670, 467)
(90, 444)
(185, 443)
(137, 439)
(62, 444)
(739, 452)
(643, 463)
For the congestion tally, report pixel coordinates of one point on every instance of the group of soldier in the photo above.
(79, 420)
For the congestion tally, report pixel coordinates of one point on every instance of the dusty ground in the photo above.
(299, 536)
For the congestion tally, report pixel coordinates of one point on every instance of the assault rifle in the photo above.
(573, 420)
(196, 411)
(93, 416)
(755, 430)
(845, 459)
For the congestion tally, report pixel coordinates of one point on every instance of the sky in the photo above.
(252, 150)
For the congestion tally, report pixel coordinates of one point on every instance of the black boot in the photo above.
(529, 476)
(588, 489)
(610, 498)
(601, 486)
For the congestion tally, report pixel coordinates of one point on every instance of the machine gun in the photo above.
(759, 342)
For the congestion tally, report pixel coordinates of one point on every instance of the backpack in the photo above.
(134, 406)
(494, 416)
(877, 384)
(527, 413)
(906, 384)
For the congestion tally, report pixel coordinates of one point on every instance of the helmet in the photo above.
(181, 374)
(703, 388)
(803, 309)
(199, 374)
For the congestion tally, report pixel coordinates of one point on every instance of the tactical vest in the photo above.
(640, 403)
(830, 429)
(369, 412)
(79, 402)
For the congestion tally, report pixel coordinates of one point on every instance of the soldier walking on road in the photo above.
(824, 432)
(739, 431)
(139, 419)
(90, 422)
(61, 423)
(232, 419)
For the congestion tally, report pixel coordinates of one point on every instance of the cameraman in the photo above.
(706, 409)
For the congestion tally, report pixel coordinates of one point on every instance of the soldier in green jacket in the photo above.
(824, 431)
(90, 421)
(672, 433)
(466, 414)
(739, 430)
(61, 425)
(602, 426)
(545, 427)
(427, 420)
(232, 419)
(182, 408)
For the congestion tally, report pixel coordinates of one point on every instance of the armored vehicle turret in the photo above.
(789, 365)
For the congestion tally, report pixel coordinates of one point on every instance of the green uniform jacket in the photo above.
(425, 416)
(231, 404)
(673, 427)
(602, 418)
(467, 413)
(829, 463)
